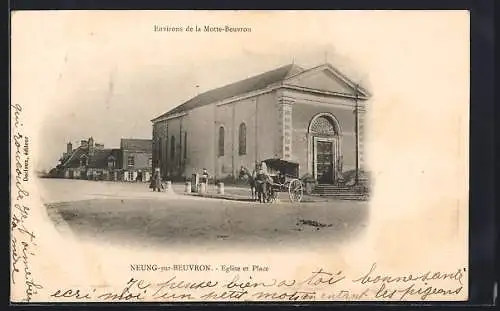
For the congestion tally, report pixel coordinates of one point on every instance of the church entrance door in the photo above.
(325, 153)
(324, 162)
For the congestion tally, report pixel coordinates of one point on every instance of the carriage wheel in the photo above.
(295, 190)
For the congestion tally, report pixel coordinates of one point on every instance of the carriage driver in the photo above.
(263, 171)
(255, 170)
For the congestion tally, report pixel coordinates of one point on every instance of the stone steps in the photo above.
(338, 192)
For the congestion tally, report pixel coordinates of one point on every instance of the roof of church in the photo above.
(254, 83)
(134, 144)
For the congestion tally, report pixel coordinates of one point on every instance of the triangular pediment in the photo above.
(325, 78)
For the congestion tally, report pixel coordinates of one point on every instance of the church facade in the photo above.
(314, 117)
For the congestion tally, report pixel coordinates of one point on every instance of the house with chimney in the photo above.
(91, 161)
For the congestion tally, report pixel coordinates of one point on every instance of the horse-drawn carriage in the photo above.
(279, 176)
(285, 178)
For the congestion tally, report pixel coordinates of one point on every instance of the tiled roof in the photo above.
(115, 153)
(144, 145)
(100, 158)
(74, 158)
(254, 83)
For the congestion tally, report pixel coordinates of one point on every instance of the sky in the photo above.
(107, 74)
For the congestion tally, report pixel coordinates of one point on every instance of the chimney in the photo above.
(69, 148)
(91, 146)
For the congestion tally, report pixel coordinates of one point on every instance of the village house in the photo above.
(314, 117)
(131, 162)
(136, 160)
(88, 161)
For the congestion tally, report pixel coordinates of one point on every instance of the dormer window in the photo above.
(111, 162)
(83, 161)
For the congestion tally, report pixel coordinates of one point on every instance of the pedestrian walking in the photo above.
(156, 181)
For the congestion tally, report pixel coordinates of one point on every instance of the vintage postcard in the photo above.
(161, 156)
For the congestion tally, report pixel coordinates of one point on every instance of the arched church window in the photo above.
(185, 145)
(159, 150)
(243, 139)
(165, 150)
(221, 141)
(172, 147)
(323, 125)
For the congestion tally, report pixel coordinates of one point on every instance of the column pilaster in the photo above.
(284, 144)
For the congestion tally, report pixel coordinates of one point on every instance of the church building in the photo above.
(313, 117)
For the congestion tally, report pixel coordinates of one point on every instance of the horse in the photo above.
(260, 185)
(263, 188)
(244, 172)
